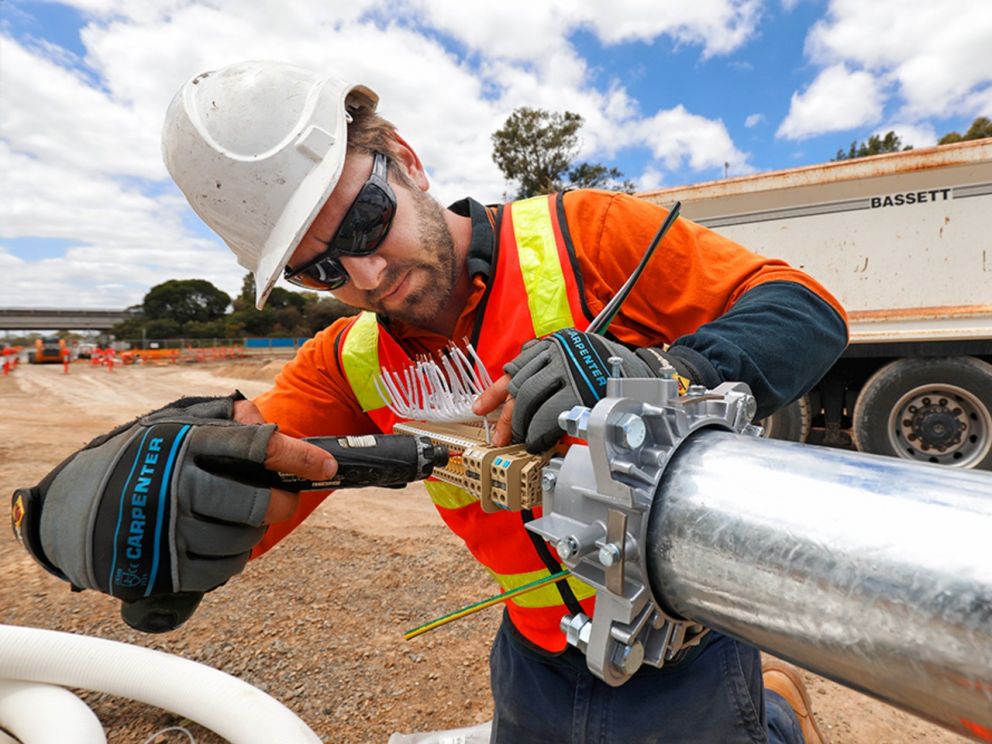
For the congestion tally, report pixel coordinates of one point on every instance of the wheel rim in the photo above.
(942, 424)
(802, 406)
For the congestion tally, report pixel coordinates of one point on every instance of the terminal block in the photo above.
(506, 478)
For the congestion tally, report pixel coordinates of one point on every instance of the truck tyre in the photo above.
(928, 410)
(791, 423)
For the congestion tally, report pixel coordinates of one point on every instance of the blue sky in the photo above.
(671, 91)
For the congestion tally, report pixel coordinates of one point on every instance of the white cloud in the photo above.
(980, 102)
(754, 120)
(677, 137)
(917, 135)
(936, 53)
(650, 180)
(532, 31)
(54, 114)
(837, 100)
(121, 241)
(83, 156)
(719, 26)
(150, 48)
(148, 62)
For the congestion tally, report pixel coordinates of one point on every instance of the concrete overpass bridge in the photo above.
(59, 319)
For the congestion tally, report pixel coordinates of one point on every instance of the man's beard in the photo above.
(424, 304)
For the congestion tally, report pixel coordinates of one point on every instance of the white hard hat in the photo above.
(257, 147)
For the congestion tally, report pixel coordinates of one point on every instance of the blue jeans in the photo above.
(714, 698)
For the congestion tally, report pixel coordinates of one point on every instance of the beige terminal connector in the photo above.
(501, 477)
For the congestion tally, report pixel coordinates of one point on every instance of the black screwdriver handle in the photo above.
(367, 460)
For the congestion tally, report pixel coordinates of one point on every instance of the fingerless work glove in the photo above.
(566, 369)
(134, 514)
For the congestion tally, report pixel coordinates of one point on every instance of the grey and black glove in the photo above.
(136, 513)
(568, 368)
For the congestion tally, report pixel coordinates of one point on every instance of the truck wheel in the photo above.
(929, 410)
(791, 423)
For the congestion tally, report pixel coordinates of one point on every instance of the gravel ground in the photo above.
(318, 622)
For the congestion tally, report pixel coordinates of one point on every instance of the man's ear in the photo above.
(408, 161)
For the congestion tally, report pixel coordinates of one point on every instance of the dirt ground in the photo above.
(318, 622)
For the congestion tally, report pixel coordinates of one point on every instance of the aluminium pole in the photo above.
(875, 572)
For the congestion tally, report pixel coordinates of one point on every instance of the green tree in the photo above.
(324, 311)
(875, 145)
(161, 328)
(596, 176)
(194, 308)
(535, 149)
(185, 301)
(205, 329)
(280, 298)
(980, 129)
(247, 297)
(133, 326)
(251, 322)
(175, 308)
(283, 314)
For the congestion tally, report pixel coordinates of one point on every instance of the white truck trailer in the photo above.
(904, 241)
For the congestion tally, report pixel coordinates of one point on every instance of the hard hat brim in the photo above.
(307, 201)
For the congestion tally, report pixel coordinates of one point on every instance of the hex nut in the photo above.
(575, 421)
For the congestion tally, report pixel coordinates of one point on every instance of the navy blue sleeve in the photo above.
(780, 338)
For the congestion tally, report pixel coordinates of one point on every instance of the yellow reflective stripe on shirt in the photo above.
(360, 358)
(547, 295)
(449, 496)
(546, 596)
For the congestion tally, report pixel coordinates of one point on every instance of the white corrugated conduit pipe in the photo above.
(233, 709)
(37, 713)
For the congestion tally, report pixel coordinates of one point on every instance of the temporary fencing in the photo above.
(184, 355)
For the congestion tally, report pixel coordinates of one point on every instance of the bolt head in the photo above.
(630, 658)
(567, 547)
(609, 555)
(696, 390)
(631, 430)
(548, 481)
(750, 407)
(616, 366)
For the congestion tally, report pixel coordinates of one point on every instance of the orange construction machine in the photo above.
(48, 351)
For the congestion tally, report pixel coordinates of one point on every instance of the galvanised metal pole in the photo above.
(874, 572)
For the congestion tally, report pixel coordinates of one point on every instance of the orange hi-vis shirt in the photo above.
(695, 277)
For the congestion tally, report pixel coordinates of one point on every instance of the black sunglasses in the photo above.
(365, 225)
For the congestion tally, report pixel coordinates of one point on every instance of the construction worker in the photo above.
(304, 180)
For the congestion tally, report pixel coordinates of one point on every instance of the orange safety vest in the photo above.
(533, 291)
